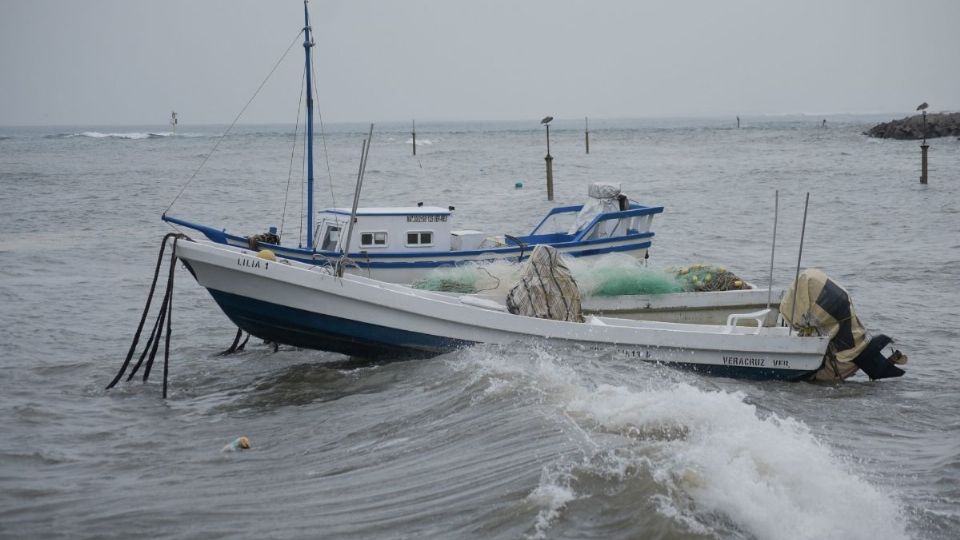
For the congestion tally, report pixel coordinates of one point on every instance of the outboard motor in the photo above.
(603, 197)
(824, 307)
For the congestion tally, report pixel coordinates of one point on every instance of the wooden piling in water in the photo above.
(923, 162)
(586, 133)
(549, 160)
(414, 133)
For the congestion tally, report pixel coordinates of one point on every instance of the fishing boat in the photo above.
(301, 304)
(302, 297)
(400, 244)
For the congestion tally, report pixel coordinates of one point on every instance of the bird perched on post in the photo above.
(546, 120)
(922, 106)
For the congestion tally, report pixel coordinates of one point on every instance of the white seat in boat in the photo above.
(758, 316)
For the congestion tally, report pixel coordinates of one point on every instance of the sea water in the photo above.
(521, 441)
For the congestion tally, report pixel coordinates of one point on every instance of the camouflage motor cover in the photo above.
(823, 307)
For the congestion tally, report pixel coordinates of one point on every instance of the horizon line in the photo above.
(711, 116)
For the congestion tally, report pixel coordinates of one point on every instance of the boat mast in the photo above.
(307, 45)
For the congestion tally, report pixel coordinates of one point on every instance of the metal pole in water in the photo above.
(586, 132)
(923, 146)
(796, 278)
(773, 245)
(414, 133)
(549, 159)
(923, 151)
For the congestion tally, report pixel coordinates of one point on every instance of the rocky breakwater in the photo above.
(911, 127)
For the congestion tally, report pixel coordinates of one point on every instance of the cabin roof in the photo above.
(393, 211)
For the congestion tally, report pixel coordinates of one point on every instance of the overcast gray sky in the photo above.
(101, 62)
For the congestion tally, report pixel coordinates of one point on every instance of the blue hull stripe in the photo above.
(362, 263)
(740, 372)
(291, 326)
(582, 248)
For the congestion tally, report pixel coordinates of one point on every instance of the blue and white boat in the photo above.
(401, 244)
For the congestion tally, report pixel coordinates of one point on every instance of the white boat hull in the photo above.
(301, 305)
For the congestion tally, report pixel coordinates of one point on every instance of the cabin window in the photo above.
(330, 238)
(419, 238)
(373, 239)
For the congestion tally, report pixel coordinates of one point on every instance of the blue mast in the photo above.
(307, 44)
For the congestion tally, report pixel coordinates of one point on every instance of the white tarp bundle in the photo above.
(546, 289)
(603, 198)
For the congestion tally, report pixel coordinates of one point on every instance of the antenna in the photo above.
(773, 246)
(345, 248)
(796, 279)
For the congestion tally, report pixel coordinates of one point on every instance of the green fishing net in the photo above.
(613, 277)
(706, 277)
(619, 281)
(458, 284)
(469, 278)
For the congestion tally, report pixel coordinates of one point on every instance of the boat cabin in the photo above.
(394, 229)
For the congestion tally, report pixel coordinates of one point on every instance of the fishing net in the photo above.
(457, 284)
(706, 277)
(619, 274)
(626, 281)
(492, 277)
(613, 275)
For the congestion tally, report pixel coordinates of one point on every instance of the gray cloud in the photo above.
(131, 62)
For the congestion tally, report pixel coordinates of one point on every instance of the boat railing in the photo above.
(219, 236)
(636, 220)
(551, 223)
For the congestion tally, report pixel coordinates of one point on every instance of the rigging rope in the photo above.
(293, 150)
(323, 139)
(232, 124)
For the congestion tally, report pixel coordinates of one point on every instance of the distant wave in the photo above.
(3, 138)
(421, 142)
(132, 135)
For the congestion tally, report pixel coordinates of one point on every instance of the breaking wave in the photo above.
(707, 461)
(420, 142)
(132, 135)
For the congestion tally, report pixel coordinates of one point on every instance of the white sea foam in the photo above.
(99, 135)
(551, 497)
(712, 454)
(133, 135)
(420, 142)
(769, 475)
